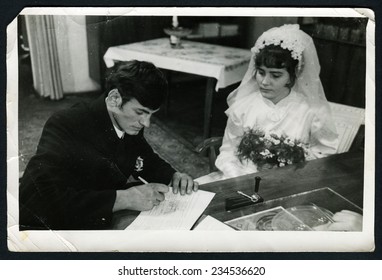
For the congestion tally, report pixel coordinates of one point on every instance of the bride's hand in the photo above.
(344, 220)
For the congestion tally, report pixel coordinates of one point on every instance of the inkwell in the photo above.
(244, 199)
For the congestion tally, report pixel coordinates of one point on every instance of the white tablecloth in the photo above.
(227, 65)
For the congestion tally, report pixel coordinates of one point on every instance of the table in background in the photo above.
(223, 66)
(343, 173)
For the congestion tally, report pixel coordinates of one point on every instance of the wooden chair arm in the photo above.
(210, 145)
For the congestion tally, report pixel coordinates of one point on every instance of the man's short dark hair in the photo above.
(140, 80)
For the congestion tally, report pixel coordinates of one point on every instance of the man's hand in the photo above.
(183, 183)
(140, 198)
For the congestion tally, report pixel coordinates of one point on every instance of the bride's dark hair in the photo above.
(274, 56)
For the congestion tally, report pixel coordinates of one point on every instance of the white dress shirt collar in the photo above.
(119, 132)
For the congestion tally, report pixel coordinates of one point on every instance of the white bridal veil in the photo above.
(308, 83)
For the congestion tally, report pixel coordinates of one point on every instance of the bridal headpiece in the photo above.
(288, 36)
(301, 46)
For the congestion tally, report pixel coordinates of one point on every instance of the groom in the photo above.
(88, 155)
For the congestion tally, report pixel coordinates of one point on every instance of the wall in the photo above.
(106, 31)
(258, 25)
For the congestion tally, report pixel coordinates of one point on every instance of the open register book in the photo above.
(176, 212)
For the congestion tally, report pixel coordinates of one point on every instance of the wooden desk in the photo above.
(343, 173)
(223, 66)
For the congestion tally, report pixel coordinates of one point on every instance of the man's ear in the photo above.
(114, 98)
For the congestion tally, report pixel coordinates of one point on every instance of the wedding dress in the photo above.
(292, 117)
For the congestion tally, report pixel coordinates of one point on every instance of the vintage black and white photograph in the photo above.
(128, 126)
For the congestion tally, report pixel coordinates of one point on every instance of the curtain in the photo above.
(44, 56)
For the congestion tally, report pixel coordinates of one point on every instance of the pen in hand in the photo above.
(145, 182)
(142, 180)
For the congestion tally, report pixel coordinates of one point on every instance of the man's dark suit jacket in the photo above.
(80, 162)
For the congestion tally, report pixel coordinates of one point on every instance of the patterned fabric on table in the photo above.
(226, 64)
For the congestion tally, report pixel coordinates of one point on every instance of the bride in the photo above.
(281, 94)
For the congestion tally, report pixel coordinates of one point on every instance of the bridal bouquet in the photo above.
(270, 150)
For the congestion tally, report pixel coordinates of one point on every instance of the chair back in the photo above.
(347, 120)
